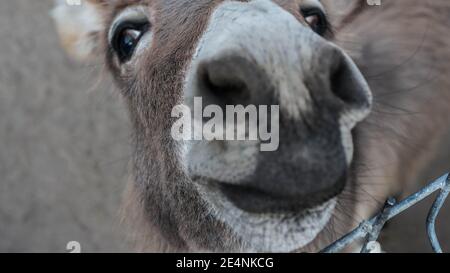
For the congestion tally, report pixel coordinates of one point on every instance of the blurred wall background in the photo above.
(64, 148)
(63, 141)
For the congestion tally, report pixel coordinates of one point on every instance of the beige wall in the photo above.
(64, 145)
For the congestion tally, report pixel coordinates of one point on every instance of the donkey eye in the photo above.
(316, 19)
(126, 38)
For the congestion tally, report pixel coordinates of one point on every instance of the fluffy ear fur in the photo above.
(79, 26)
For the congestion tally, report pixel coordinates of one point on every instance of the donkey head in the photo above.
(228, 195)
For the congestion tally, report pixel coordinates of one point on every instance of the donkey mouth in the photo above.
(289, 226)
(255, 200)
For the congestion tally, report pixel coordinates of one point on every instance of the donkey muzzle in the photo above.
(256, 53)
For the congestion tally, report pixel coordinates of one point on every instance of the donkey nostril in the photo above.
(224, 87)
(231, 78)
(348, 84)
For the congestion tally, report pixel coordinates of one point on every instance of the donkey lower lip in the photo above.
(258, 201)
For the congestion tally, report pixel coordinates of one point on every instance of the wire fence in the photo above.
(369, 230)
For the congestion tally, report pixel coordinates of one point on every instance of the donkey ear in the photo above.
(79, 24)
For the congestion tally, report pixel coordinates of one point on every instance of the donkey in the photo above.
(344, 148)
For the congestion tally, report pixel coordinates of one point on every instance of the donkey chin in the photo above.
(279, 200)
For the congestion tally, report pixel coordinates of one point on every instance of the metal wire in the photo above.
(370, 229)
